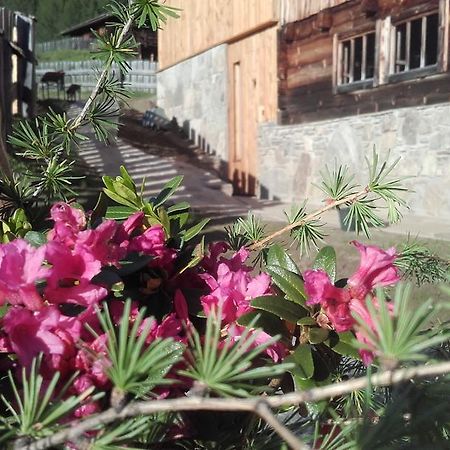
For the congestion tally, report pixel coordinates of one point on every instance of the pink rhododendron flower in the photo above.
(232, 289)
(276, 351)
(71, 275)
(334, 301)
(101, 243)
(92, 361)
(47, 331)
(68, 223)
(20, 268)
(152, 242)
(376, 269)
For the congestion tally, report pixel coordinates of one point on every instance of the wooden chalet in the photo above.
(147, 39)
(276, 89)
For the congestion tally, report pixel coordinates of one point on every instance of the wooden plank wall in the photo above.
(293, 10)
(206, 23)
(305, 70)
(257, 57)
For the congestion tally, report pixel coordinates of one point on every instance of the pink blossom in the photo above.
(101, 243)
(133, 222)
(92, 361)
(233, 287)
(47, 331)
(152, 242)
(80, 385)
(20, 268)
(376, 269)
(210, 262)
(68, 223)
(334, 301)
(277, 351)
(231, 290)
(71, 275)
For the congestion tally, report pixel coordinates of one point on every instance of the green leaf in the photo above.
(134, 262)
(35, 238)
(345, 347)
(303, 360)
(178, 208)
(169, 188)
(269, 322)
(318, 335)
(308, 320)
(281, 307)
(119, 199)
(108, 182)
(289, 282)
(125, 192)
(277, 256)
(108, 277)
(164, 219)
(193, 231)
(100, 208)
(127, 180)
(119, 212)
(326, 260)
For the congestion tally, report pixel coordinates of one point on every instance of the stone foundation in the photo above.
(291, 156)
(195, 93)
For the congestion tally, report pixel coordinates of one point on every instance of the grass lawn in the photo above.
(64, 55)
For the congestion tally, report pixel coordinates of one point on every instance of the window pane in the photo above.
(370, 56)
(432, 40)
(415, 43)
(400, 49)
(357, 71)
(346, 62)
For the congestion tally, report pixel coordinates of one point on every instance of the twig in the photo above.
(333, 204)
(81, 116)
(263, 410)
(134, 409)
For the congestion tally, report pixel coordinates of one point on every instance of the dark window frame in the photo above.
(345, 66)
(401, 41)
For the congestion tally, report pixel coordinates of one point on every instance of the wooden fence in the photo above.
(142, 76)
(73, 43)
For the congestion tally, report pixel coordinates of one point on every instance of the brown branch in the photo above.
(333, 204)
(386, 378)
(264, 411)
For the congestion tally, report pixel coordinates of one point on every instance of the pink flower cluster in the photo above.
(232, 287)
(376, 269)
(51, 293)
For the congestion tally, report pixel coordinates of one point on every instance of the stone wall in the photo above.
(195, 93)
(293, 155)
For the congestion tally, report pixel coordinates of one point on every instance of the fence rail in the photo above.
(142, 76)
(73, 43)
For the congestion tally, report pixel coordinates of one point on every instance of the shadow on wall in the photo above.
(204, 154)
(243, 184)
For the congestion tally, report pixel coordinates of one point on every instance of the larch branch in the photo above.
(386, 378)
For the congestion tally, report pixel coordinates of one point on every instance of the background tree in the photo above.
(53, 16)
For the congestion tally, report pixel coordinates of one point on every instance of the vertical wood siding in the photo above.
(206, 23)
(256, 58)
(293, 10)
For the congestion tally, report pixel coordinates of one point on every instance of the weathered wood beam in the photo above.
(324, 20)
(369, 7)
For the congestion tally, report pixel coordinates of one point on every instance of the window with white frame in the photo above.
(399, 47)
(416, 43)
(356, 59)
